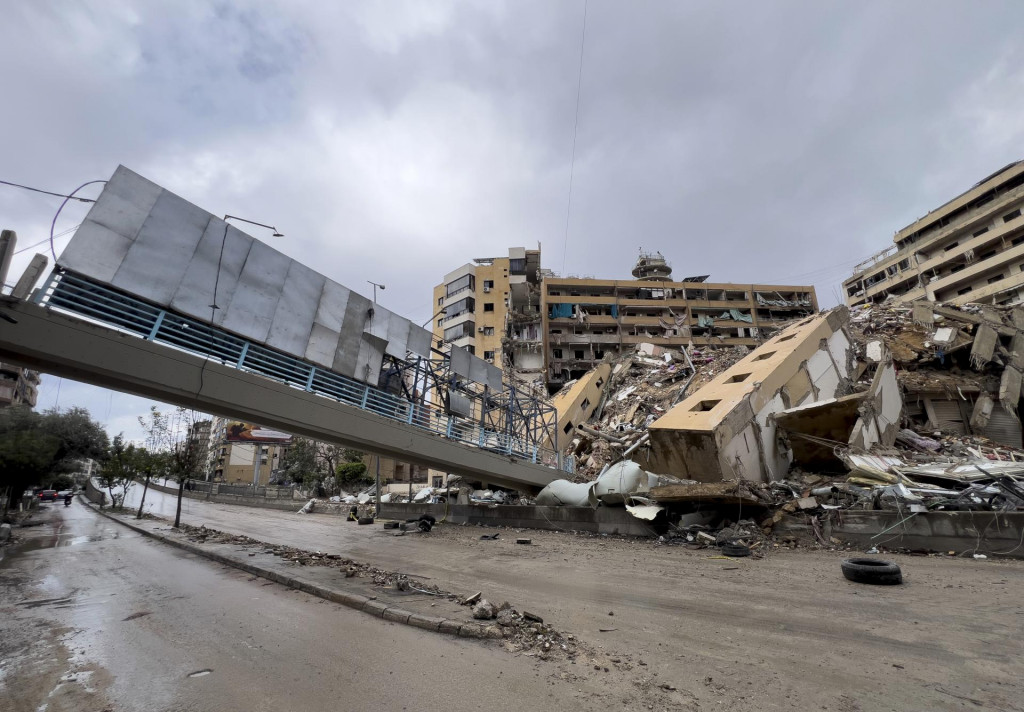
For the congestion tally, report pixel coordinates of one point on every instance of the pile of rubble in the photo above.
(955, 374)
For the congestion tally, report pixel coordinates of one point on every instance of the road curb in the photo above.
(355, 601)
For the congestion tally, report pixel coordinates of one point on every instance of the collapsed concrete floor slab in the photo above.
(725, 429)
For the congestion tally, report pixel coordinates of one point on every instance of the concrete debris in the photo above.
(485, 610)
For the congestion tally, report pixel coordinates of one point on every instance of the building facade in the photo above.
(548, 330)
(234, 462)
(970, 249)
(491, 307)
(18, 386)
(587, 320)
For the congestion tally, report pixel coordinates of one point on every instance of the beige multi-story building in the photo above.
(970, 249)
(491, 306)
(547, 329)
(586, 320)
(18, 386)
(234, 462)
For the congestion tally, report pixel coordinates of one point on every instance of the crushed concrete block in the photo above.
(923, 313)
(984, 348)
(485, 610)
(807, 503)
(1009, 388)
(874, 351)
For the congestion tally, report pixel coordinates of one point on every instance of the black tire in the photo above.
(391, 525)
(428, 518)
(873, 571)
(366, 520)
(734, 550)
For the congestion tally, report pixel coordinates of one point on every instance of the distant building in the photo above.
(588, 320)
(234, 461)
(491, 307)
(970, 249)
(199, 438)
(541, 328)
(18, 386)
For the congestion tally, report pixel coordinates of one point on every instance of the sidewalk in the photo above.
(329, 576)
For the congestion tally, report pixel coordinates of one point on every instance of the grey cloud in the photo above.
(751, 141)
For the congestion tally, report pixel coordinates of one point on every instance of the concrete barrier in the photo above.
(989, 533)
(602, 520)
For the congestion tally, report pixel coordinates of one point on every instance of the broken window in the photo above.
(578, 354)
(557, 353)
(489, 355)
(765, 356)
(488, 306)
(1011, 215)
(980, 232)
(487, 330)
(965, 290)
(993, 280)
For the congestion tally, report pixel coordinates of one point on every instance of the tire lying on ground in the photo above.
(873, 571)
(366, 520)
(734, 549)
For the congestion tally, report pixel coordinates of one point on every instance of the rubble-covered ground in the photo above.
(968, 359)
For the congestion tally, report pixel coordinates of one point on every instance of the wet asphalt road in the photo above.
(785, 632)
(96, 617)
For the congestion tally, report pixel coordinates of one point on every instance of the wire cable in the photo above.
(45, 240)
(53, 224)
(575, 129)
(48, 192)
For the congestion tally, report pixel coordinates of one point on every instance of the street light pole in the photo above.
(375, 285)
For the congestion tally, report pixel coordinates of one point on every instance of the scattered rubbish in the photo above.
(489, 537)
(980, 556)
(872, 571)
(200, 673)
(524, 541)
(473, 599)
(532, 617)
(606, 630)
(391, 525)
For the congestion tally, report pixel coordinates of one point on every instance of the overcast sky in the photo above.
(395, 141)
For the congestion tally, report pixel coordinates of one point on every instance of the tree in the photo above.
(186, 459)
(353, 474)
(324, 466)
(35, 448)
(155, 461)
(118, 471)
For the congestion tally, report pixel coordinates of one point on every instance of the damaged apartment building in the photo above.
(587, 320)
(545, 329)
(970, 249)
(492, 308)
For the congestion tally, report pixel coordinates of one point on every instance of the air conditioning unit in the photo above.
(480, 329)
(486, 290)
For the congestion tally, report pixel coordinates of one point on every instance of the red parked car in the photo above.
(48, 496)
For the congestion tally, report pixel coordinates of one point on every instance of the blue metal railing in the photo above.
(83, 297)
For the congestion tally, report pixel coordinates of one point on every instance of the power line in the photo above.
(47, 192)
(575, 129)
(45, 240)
